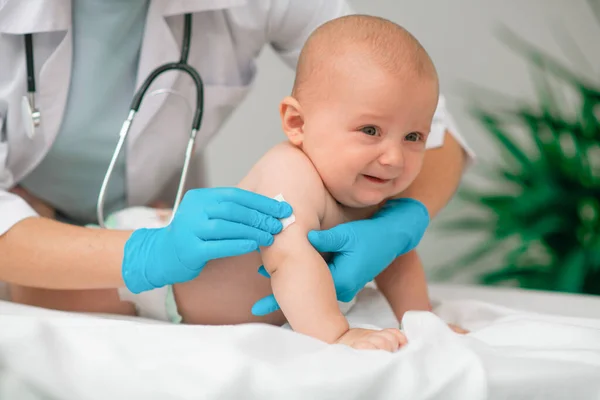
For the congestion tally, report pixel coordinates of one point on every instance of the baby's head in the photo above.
(362, 107)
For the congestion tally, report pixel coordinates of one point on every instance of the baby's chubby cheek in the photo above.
(347, 193)
(412, 167)
(359, 196)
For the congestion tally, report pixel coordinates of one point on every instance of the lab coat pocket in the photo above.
(219, 103)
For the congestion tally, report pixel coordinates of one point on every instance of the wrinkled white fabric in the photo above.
(509, 354)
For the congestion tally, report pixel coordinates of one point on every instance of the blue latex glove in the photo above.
(209, 224)
(364, 248)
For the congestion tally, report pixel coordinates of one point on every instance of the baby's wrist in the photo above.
(337, 327)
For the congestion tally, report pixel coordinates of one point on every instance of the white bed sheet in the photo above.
(509, 355)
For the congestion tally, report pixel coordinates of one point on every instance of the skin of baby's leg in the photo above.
(225, 292)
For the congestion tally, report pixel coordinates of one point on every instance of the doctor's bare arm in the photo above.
(40, 252)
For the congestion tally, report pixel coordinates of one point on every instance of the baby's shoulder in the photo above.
(286, 170)
(286, 162)
(283, 151)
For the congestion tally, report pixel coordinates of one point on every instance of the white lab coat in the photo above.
(228, 36)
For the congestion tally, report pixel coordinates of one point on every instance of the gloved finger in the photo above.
(219, 229)
(234, 212)
(331, 240)
(227, 248)
(263, 271)
(258, 202)
(265, 306)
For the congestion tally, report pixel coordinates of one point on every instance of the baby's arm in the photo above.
(404, 285)
(300, 278)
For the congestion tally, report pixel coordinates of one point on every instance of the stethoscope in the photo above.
(32, 115)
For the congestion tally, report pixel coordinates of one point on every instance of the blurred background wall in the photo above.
(461, 37)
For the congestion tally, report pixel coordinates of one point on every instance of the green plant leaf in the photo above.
(544, 90)
(588, 120)
(592, 283)
(570, 277)
(537, 193)
(512, 273)
(544, 226)
(492, 125)
(594, 257)
(498, 202)
(512, 258)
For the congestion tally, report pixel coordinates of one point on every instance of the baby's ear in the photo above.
(292, 120)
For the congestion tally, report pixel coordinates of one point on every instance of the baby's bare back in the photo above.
(224, 293)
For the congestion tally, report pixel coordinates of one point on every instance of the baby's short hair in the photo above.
(388, 44)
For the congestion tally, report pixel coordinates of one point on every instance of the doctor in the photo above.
(89, 56)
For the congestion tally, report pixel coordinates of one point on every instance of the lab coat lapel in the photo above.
(50, 21)
(175, 7)
(18, 17)
(160, 46)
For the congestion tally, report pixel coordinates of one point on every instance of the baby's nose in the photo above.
(392, 156)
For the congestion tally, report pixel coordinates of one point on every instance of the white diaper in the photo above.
(157, 304)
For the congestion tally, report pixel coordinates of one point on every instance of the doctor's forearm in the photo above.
(40, 252)
(440, 176)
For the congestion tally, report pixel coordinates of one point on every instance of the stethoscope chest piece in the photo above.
(31, 117)
(29, 112)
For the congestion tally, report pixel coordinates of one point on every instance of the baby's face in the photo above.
(367, 136)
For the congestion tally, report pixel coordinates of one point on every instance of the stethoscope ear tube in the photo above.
(136, 102)
(29, 61)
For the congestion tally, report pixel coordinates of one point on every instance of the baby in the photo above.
(356, 124)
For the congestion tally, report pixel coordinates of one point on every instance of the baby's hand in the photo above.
(388, 339)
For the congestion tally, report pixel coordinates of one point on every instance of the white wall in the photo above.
(460, 37)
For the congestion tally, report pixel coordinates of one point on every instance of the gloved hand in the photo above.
(364, 248)
(209, 224)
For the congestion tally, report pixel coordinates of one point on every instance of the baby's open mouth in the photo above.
(375, 179)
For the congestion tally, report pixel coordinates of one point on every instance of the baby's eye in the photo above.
(414, 137)
(370, 130)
